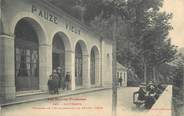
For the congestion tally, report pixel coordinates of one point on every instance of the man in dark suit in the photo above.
(67, 80)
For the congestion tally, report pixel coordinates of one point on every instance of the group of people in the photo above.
(57, 80)
(149, 94)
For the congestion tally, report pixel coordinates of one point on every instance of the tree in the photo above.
(156, 46)
(150, 34)
(142, 33)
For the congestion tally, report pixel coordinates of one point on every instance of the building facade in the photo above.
(36, 37)
(122, 73)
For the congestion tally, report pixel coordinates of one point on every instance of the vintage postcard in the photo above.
(91, 57)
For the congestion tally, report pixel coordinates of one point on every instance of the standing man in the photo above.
(67, 80)
(50, 85)
(60, 82)
(55, 81)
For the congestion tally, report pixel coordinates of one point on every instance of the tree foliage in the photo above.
(142, 31)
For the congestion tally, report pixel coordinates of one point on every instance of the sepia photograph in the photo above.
(91, 58)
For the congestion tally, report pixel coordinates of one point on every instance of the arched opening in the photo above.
(78, 65)
(94, 66)
(58, 57)
(58, 53)
(26, 57)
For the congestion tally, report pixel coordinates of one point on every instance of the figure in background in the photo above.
(55, 78)
(142, 92)
(50, 85)
(151, 95)
(67, 81)
(61, 80)
(120, 81)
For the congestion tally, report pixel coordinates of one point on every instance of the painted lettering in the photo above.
(55, 19)
(73, 29)
(51, 18)
(33, 9)
(40, 14)
(44, 14)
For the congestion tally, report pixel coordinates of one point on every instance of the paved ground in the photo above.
(90, 104)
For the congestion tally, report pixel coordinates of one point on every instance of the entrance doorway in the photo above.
(56, 60)
(78, 65)
(92, 68)
(58, 57)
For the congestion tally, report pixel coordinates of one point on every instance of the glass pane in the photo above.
(28, 59)
(28, 66)
(25, 40)
(27, 52)
(33, 69)
(17, 58)
(34, 57)
(28, 72)
(17, 51)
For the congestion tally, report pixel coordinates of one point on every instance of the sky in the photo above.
(177, 8)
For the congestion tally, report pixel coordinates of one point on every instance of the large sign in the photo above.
(52, 18)
(44, 14)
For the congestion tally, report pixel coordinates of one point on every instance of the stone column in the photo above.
(7, 67)
(45, 65)
(70, 66)
(86, 71)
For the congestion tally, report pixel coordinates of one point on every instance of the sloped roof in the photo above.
(120, 66)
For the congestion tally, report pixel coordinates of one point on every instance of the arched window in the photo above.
(58, 53)
(26, 57)
(92, 67)
(58, 58)
(78, 65)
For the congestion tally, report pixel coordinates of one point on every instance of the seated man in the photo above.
(141, 92)
(140, 96)
(150, 97)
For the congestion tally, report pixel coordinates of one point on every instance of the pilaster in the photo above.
(86, 71)
(7, 67)
(45, 65)
(70, 66)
